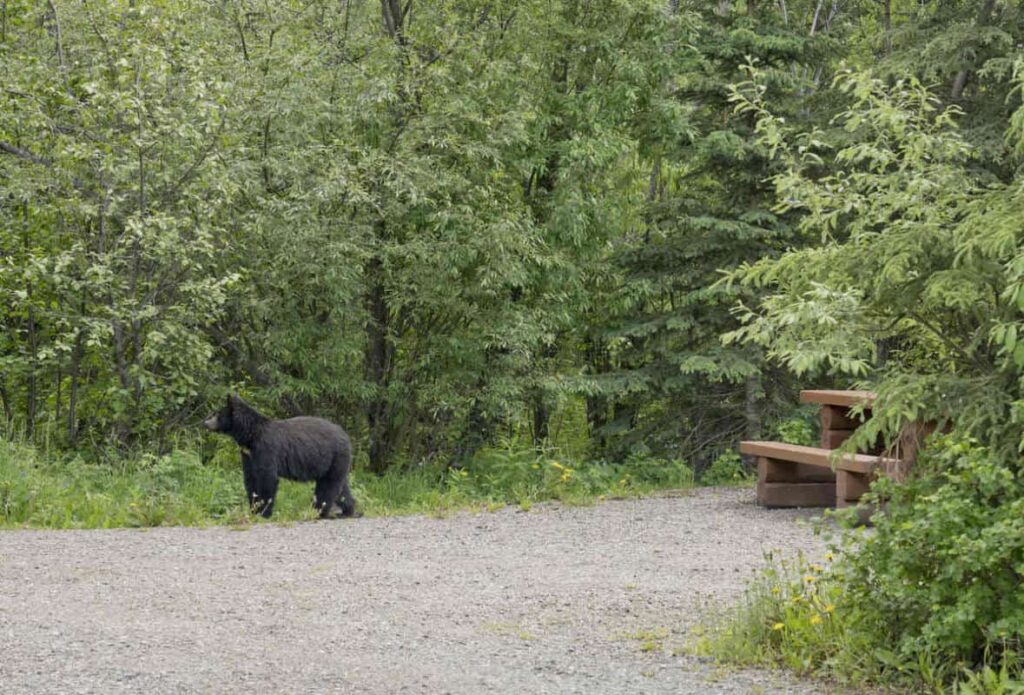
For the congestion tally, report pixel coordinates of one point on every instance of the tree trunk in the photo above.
(378, 366)
(32, 395)
(393, 17)
(32, 337)
(380, 349)
(624, 413)
(960, 80)
(76, 364)
(478, 431)
(123, 425)
(597, 418)
(887, 25)
(5, 400)
(541, 420)
(752, 406)
(597, 406)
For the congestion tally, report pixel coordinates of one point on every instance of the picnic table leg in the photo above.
(850, 487)
(836, 426)
(781, 484)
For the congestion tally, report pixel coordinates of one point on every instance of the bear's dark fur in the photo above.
(300, 448)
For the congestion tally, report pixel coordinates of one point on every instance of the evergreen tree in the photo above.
(662, 380)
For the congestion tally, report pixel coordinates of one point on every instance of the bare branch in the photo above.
(24, 154)
(202, 156)
(60, 42)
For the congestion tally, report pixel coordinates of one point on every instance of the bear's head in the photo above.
(236, 419)
(221, 420)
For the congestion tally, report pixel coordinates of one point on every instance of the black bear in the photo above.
(300, 448)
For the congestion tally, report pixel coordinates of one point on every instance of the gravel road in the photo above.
(555, 600)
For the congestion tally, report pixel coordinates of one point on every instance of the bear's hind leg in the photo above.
(327, 490)
(347, 502)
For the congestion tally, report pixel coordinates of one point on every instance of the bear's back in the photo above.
(303, 448)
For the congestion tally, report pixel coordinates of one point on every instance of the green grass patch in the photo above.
(65, 491)
(652, 640)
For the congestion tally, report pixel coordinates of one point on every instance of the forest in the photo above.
(619, 230)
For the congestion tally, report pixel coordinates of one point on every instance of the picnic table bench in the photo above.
(789, 475)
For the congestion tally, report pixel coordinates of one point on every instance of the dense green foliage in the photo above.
(439, 224)
(476, 231)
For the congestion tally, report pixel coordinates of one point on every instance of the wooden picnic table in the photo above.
(801, 476)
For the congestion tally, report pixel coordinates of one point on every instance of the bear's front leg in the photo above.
(264, 490)
(249, 478)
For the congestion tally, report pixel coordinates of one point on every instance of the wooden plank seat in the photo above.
(789, 475)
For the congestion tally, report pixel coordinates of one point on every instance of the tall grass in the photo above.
(788, 617)
(48, 490)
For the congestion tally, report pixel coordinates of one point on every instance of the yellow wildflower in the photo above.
(815, 619)
(778, 626)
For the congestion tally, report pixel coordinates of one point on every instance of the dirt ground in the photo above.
(555, 600)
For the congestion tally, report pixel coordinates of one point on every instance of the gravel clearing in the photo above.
(555, 600)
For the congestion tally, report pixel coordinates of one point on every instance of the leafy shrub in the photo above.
(932, 596)
(727, 469)
(797, 430)
(515, 475)
(942, 575)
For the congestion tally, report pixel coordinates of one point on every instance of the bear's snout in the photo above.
(210, 423)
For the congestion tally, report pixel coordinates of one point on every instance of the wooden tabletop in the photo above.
(847, 399)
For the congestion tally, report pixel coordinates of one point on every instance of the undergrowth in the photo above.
(930, 600)
(51, 491)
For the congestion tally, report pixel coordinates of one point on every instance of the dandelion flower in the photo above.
(778, 626)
